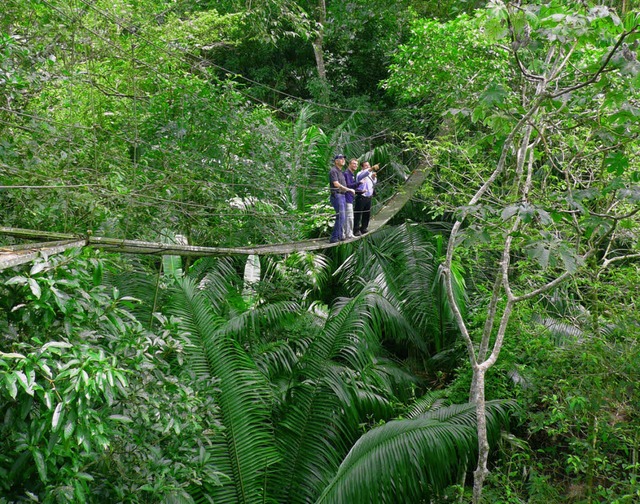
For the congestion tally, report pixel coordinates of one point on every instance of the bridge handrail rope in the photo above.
(59, 242)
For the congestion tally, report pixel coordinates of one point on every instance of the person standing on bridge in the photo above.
(353, 182)
(364, 193)
(337, 189)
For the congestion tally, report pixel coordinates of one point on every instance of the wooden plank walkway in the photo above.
(20, 254)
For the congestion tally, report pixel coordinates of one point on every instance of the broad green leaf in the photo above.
(12, 355)
(494, 94)
(40, 465)
(20, 280)
(37, 268)
(121, 418)
(35, 288)
(57, 417)
(78, 491)
(509, 212)
(48, 399)
(45, 369)
(616, 162)
(22, 378)
(569, 260)
(545, 217)
(526, 212)
(540, 254)
(632, 194)
(56, 344)
(10, 380)
(557, 216)
(478, 114)
(68, 429)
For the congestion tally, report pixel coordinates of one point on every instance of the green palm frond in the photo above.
(311, 267)
(380, 253)
(325, 405)
(345, 137)
(387, 157)
(277, 358)
(139, 284)
(465, 414)
(217, 277)
(248, 449)
(370, 391)
(400, 380)
(432, 400)
(250, 325)
(204, 265)
(560, 332)
(387, 314)
(351, 329)
(417, 457)
(198, 321)
(459, 290)
(312, 440)
(401, 260)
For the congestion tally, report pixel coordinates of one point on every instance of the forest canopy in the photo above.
(482, 346)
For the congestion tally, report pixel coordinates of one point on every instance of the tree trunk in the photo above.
(318, 50)
(481, 471)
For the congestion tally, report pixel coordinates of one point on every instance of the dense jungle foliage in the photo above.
(484, 346)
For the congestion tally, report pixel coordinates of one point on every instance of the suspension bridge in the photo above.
(55, 243)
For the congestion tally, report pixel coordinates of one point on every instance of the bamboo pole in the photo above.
(21, 254)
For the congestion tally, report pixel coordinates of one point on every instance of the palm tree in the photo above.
(247, 449)
(295, 389)
(407, 260)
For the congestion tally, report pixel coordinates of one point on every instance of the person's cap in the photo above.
(338, 156)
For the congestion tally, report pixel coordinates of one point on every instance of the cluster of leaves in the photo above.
(538, 165)
(94, 406)
(232, 396)
(577, 384)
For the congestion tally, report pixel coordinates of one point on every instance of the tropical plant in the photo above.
(542, 169)
(419, 456)
(94, 409)
(406, 261)
(293, 393)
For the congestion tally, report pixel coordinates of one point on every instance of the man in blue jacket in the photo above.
(337, 189)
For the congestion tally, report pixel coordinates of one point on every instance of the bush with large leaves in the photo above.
(93, 410)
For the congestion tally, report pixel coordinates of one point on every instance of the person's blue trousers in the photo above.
(339, 205)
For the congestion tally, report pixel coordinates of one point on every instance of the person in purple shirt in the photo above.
(367, 179)
(350, 178)
(353, 182)
(337, 190)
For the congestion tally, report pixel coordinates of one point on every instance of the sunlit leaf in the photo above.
(57, 417)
